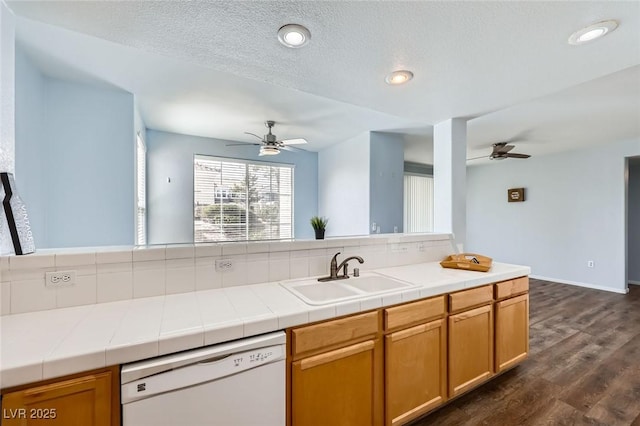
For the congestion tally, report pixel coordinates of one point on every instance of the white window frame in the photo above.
(246, 163)
(141, 191)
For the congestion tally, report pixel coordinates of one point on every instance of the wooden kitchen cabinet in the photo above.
(511, 322)
(512, 331)
(336, 372)
(339, 387)
(415, 371)
(394, 364)
(78, 400)
(470, 349)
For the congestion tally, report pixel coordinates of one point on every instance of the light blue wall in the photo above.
(170, 205)
(91, 165)
(387, 181)
(361, 182)
(30, 150)
(343, 186)
(572, 214)
(75, 157)
(634, 221)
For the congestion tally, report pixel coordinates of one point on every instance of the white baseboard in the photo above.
(634, 282)
(595, 287)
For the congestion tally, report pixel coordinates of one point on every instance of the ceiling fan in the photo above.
(270, 145)
(501, 150)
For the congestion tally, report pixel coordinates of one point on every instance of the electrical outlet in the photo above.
(60, 279)
(590, 264)
(223, 265)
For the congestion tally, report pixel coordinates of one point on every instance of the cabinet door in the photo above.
(83, 401)
(341, 387)
(512, 331)
(415, 371)
(470, 349)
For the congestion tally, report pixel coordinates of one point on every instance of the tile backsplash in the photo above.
(107, 274)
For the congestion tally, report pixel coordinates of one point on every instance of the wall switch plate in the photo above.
(60, 279)
(223, 265)
(590, 264)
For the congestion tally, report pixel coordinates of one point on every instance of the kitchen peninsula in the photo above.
(486, 309)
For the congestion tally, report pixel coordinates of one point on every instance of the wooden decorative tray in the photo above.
(467, 261)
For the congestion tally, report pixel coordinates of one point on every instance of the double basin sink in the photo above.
(312, 292)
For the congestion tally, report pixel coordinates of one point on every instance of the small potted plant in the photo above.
(319, 225)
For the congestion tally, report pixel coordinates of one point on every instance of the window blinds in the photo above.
(237, 200)
(418, 203)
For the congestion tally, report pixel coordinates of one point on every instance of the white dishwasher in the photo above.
(238, 383)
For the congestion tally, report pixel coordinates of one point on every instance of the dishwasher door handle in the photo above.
(214, 359)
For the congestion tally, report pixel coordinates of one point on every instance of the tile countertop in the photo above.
(46, 344)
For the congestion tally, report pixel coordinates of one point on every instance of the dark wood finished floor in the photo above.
(583, 369)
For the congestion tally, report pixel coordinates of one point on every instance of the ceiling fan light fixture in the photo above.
(593, 32)
(269, 150)
(398, 77)
(294, 36)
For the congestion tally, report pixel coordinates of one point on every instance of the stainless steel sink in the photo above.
(313, 292)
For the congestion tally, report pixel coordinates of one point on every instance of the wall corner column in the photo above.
(450, 178)
(7, 89)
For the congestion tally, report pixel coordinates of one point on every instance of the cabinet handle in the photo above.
(336, 355)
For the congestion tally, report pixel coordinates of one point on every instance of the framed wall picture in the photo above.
(515, 195)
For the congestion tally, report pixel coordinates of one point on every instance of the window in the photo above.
(241, 200)
(418, 203)
(141, 192)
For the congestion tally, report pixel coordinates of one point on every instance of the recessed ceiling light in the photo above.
(593, 32)
(294, 35)
(398, 77)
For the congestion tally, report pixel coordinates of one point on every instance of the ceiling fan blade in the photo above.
(477, 158)
(253, 134)
(515, 155)
(298, 141)
(291, 148)
(243, 144)
(503, 149)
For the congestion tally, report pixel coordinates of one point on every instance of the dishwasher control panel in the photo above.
(200, 372)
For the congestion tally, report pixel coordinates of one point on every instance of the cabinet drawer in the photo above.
(331, 333)
(470, 298)
(411, 313)
(510, 288)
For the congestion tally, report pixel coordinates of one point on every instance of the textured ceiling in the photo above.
(469, 58)
(604, 110)
(179, 97)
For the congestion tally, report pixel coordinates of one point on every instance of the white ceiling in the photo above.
(216, 68)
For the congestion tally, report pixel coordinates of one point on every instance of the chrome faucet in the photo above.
(334, 268)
